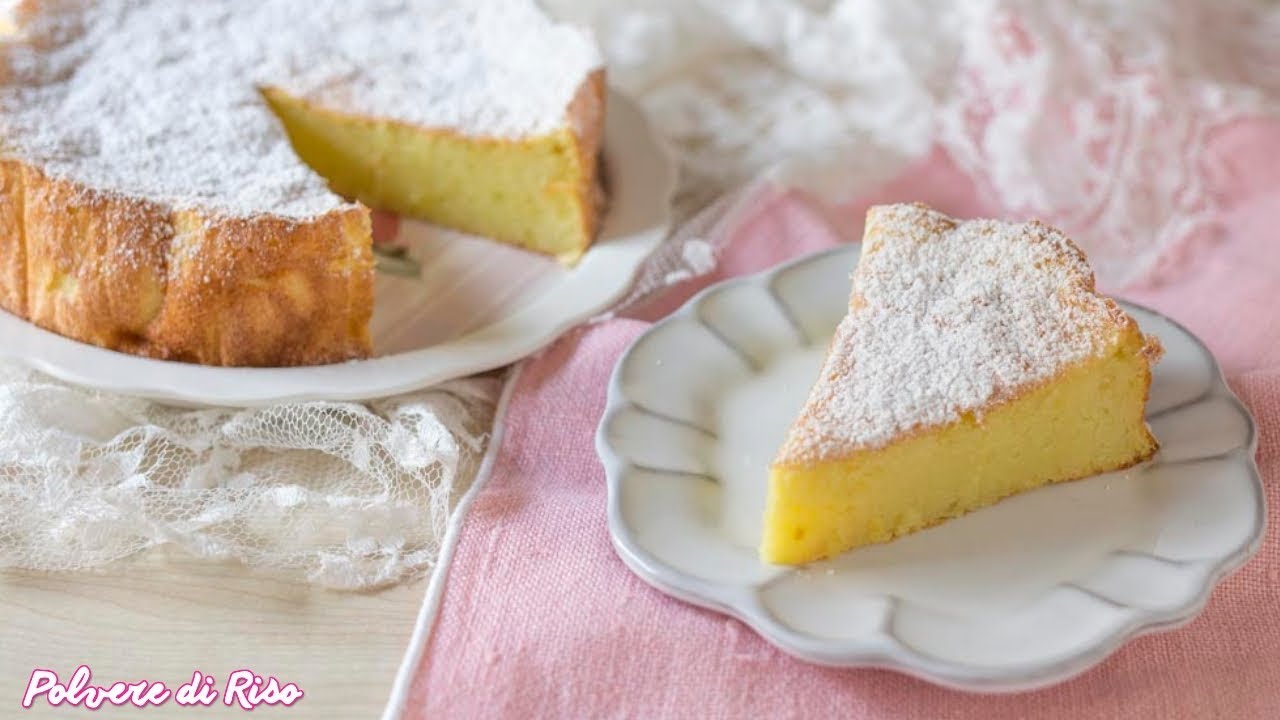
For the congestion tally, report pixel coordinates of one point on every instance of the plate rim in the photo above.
(485, 348)
(888, 651)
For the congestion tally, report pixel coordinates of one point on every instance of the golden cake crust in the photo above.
(586, 117)
(131, 275)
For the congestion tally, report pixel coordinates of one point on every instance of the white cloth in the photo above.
(341, 494)
(356, 496)
(743, 84)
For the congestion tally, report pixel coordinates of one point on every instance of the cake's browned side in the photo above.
(586, 118)
(13, 253)
(135, 276)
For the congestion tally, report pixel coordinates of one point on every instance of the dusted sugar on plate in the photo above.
(976, 361)
(191, 180)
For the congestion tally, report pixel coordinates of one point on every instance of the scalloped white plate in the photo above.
(1020, 595)
(476, 305)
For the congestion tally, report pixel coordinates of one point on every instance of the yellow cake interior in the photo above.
(1087, 420)
(534, 193)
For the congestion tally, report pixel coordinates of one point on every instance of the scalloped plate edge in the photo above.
(887, 650)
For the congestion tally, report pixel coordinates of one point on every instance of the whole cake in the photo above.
(190, 179)
(976, 361)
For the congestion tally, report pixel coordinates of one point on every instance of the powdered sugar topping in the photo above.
(947, 317)
(160, 99)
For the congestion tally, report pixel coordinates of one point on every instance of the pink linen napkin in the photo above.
(541, 619)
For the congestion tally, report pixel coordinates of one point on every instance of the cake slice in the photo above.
(976, 361)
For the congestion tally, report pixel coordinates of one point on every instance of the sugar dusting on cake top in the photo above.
(160, 98)
(946, 318)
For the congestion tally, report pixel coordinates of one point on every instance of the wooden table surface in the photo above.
(163, 615)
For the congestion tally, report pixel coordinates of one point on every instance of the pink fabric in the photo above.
(541, 619)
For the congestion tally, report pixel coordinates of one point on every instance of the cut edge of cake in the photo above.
(550, 203)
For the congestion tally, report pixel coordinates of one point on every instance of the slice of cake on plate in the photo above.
(191, 179)
(976, 361)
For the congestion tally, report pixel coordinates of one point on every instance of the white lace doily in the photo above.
(340, 494)
(1091, 115)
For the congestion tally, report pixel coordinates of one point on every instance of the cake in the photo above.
(191, 180)
(976, 361)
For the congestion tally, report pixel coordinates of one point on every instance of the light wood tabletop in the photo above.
(163, 615)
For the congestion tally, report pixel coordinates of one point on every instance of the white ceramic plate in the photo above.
(1025, 593)
(477, 304)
